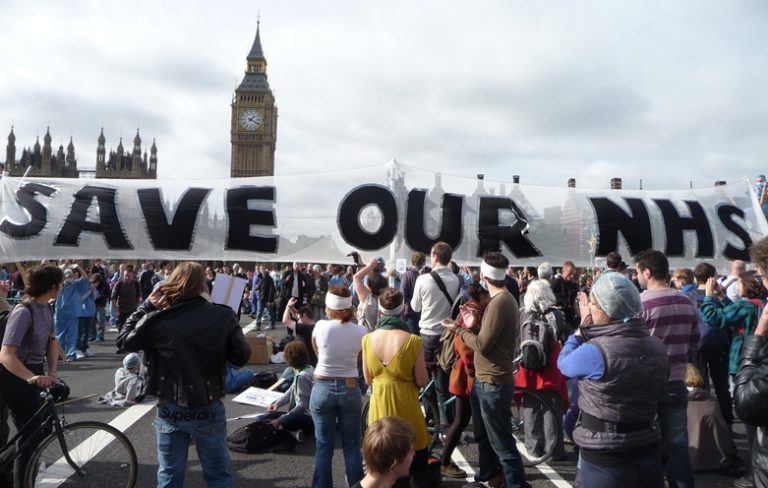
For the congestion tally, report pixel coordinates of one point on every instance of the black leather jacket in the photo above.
(186, 348)
(751, 400)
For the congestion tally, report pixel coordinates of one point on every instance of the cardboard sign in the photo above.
(258, 397)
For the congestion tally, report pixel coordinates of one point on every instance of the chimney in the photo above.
(516, 179)
(615, 183)
(720, 183)
(571, 182)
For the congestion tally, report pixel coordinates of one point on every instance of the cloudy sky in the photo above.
(666, 91)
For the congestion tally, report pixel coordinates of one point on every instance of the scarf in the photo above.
(392, 323)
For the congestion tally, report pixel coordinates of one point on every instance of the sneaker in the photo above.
(270, 327)
(79, 355)
(450, 470)
(299, 435)
(88, 353)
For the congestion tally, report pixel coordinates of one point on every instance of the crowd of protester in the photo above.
(647, 367)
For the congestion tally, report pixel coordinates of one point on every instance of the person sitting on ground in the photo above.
(393, 364)
(297, 419)
(623, 372)
(388, 452)
(299, 321)
(129, 384)
(710, 445)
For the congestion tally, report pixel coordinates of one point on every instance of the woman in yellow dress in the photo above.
(393, 363)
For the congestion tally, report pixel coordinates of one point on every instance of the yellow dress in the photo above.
(394, 387)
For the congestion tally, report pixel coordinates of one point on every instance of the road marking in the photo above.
(458, 458)
(58, 472)
(546, 470)
(131, 416)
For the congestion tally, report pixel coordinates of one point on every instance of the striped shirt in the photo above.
(673, 318)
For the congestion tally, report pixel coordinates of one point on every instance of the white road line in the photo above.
(458, 458)
(58, 472)
(131, 416)
(543, 468)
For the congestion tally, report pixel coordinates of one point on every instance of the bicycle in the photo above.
(83, 454)
(523, 396)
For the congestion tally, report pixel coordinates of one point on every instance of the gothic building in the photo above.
(121, 164)
(254, 119)
(40, 160)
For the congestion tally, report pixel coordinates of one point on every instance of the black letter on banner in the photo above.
(38, 214)
(241, 218)
(675, 225)
(349, 217)
(178, 234)
(612, 219)
(108, 225)
(490, 233)
(450, 229)
(726, 213)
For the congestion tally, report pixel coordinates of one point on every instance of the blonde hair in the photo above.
(685, 274)
(693, 378)
(186, 282)
(387, 442)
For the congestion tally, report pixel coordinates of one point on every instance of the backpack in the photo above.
(446, 354)
(536, 338)
(259, 436)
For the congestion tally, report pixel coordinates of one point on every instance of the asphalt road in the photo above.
(91, 377)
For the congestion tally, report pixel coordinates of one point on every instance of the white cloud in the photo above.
(666, 92)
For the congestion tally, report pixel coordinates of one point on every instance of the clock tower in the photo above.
(254, 119)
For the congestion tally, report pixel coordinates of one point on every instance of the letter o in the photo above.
(349, 217)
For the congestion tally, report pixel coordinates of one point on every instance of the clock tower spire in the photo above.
(254, 118)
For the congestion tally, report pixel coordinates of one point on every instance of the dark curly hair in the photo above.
(43, 279)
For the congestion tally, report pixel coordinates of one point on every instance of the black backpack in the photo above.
(259, 436)
(536, 338)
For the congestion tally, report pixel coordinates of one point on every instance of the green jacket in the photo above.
(739, 317)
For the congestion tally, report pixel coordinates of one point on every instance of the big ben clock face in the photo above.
(250, 120)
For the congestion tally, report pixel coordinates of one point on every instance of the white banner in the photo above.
(388, 210)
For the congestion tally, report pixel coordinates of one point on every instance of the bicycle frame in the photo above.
(44, 421)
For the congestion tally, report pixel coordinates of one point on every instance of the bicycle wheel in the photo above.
(104, 457)
(536, 425)
(431, 415)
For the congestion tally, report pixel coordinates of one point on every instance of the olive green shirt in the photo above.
(496, 343)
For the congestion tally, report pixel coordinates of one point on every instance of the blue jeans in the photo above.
(175, 426)
(101, 322)
(263, 306)
(84, 325)
(66, 334)
(333, 400)
(237, 379)
(254, 303)
(673, 417)
(493, 433)
(112, 314)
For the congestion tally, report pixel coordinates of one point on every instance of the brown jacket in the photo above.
(496, 342)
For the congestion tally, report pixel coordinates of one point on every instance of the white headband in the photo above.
(495, 274)
(395, 312)
(335, 302)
